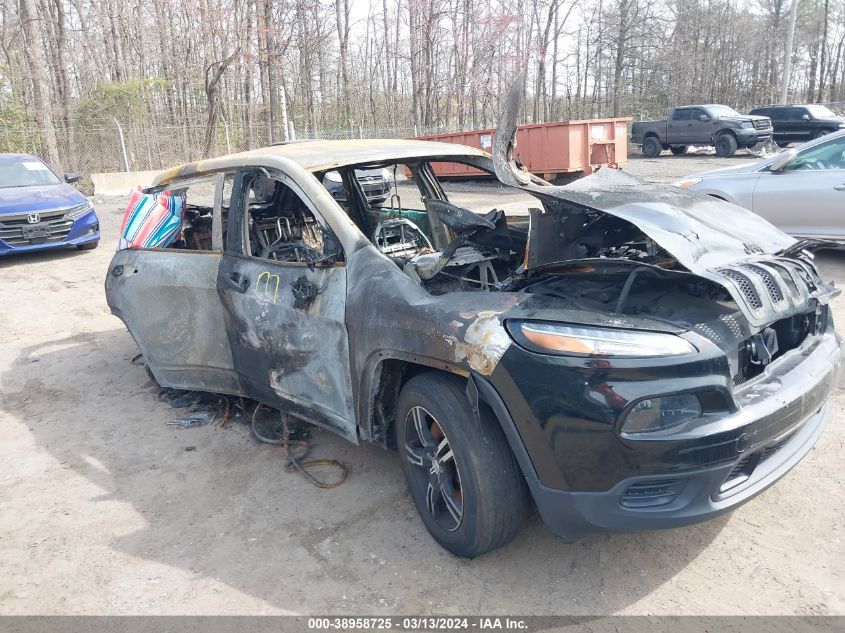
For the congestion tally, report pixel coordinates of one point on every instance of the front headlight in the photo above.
(78, 211)
(746, 124)
(686, 183)
(657, 414)
(579, 340)
(333, 176)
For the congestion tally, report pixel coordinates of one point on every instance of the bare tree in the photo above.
(213, 73)
(40, 80)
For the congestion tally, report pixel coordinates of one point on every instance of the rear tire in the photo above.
(725, 145)
(679, 150)
(821, 133)
(460, 471)
(90, 246)
(651, 147)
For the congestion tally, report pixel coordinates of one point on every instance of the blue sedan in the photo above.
(39, 210)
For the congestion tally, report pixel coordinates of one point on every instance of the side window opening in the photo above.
(373, 196)
(179, 216)
(825, 156)
(441, 223)
(282, 227)
(198, 216)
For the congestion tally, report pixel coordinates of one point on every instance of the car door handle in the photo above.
(237, 281)
(840, 187)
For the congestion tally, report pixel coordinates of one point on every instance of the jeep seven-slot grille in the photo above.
(769, 280)
(745, 287)
(786, 277)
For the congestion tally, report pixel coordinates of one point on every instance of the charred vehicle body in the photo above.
(627, 356)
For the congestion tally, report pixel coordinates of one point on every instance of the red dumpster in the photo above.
(551, 149)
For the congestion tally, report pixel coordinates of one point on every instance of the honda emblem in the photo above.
(33, 218)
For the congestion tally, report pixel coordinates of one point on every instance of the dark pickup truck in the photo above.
(716, 125)
(799, 123)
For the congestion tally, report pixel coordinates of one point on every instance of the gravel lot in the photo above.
(105, 510)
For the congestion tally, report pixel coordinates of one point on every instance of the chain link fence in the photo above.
(118, 147)
(140, 148)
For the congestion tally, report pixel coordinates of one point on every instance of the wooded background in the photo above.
(186, 78)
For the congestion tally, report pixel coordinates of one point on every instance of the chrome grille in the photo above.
(762, 124)
(22, 219)
(11, 227)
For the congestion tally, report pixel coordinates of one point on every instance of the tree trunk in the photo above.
(212, 95)
(40, 81)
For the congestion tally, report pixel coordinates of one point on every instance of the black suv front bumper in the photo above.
(671, 482)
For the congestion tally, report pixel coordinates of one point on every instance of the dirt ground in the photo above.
(105, 510)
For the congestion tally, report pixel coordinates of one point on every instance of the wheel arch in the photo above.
(382, 380)
(388, 372)
(481, 393)
(725, 130)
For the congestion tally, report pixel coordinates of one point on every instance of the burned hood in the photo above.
(757, 264)
(760, 266)
(701, 232)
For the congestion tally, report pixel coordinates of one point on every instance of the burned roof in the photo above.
(322, 155)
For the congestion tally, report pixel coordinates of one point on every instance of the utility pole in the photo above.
(787, 62)
(283, 102)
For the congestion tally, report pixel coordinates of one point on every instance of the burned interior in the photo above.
(280, 225)
(589, 260)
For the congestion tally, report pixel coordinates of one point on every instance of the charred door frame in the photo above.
(289, 355)
(168, 299)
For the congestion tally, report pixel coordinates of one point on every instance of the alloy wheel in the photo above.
(428, 449)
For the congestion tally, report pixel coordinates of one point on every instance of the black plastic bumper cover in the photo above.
(701, 494)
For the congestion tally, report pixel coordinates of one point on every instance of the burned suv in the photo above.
(623, 356)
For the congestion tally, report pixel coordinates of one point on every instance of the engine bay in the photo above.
(488, 252)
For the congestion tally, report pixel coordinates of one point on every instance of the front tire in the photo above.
(651, 147)
(90, 246)
(725, 145)
(461, 473)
